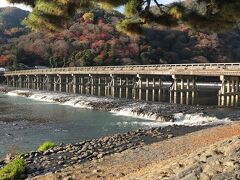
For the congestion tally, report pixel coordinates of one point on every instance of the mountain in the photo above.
(10, 21)
(91, 39)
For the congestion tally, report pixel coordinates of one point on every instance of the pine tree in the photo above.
(213, 15)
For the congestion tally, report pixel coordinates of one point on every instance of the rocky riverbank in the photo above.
(217, 162)
(220, 161)
(211, 153)
(66, 155)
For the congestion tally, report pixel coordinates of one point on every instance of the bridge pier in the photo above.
(55, 83)
(159, 89)
(181, 85)
(120, 87)
(229, 92)
(14, 81)
(147, 89)
(81, 85)
(98, 86)
(20, 81)
(106, 86)
(37, 82)
(113, 85)
(66, 84)
(75, 83)
(127, 88)
(153, 90)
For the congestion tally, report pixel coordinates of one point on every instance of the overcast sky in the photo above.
(4, 3)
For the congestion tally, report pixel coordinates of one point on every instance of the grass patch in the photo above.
(46, 145)
(13, 169)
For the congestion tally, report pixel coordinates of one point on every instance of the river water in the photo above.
(26, 122)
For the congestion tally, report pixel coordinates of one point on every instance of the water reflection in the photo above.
(188, 97)
(228, 100)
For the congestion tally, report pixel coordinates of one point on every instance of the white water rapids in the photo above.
(137, 109)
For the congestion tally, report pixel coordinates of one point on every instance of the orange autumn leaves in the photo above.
(3, 60)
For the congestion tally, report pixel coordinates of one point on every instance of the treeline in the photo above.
(91, 40)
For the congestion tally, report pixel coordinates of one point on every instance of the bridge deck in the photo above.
(209, 69)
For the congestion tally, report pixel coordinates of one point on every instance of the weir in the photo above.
(139, 82)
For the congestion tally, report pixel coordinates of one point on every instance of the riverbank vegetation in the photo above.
(13, 169)
(46, 145)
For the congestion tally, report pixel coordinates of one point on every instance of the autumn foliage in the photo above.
(91, 39)
(3, 60)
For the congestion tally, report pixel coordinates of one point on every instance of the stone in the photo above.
(170, 136)
(195, 167)
(237, 175)
(22, 176)
(204, 176)
(229, 163)
(221, 176)
(94, 154)
(190, 176)
(75, 158)
(46, 153)
(100, 155)
(96, 171)
(60, 162)
(67, 178)
(120, 174)
(212, 169)
(60, 157)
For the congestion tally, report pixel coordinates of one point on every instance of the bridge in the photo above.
(136, 81)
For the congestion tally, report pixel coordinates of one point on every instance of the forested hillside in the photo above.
(10, 22)
(91, 39)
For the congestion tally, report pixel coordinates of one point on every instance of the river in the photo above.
(27, 122)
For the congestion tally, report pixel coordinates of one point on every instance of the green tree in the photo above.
(200, 14)
(84, 58)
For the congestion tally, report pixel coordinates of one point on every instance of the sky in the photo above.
(4, 3)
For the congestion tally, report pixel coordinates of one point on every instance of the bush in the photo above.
(46, 145)
(13, 169)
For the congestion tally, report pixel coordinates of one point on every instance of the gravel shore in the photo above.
(65, 155)
(211, 153)
(220, 161)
